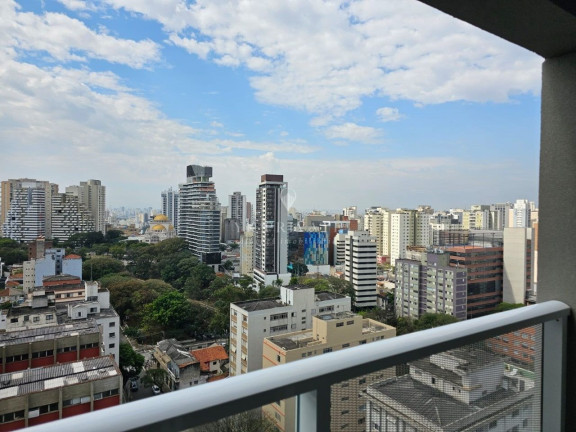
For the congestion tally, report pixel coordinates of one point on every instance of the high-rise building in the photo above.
(271, 230)
(253, 320)
(329, 332)
(430, 285)
(521, 214)
(92, 195)
(69, 217)
(373, 223)
(26, 209)
(170, 206)
(360, 266)
(247, 253)
(237, 209)
(518, 264)
(199, 214)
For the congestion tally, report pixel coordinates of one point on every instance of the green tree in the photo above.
(131, 362)
(228, 265)
(269, 291)
(157, 377)
(299, 269)
(12, 252)
(430, 320)
(113, 236)
(95, 268)
(118, 250)
(501, 307)
(169, 311)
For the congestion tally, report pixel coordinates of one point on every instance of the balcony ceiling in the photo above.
(546, 27)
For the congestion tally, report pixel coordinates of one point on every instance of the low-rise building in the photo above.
(253, 320)
(46, 346)
(40, 395)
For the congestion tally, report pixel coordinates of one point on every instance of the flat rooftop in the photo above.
(260, 304)
(61, 375)
(48, 333)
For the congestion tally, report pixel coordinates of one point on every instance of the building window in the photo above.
(340, 324)
(111, 345)
(362, 381)
(433, 380)
(349, 322)
(36, 319)
(13, 320)
(112, 335)
(49, 317)
(326, 350)
(346, 345)
(493, 424)
(112, 324)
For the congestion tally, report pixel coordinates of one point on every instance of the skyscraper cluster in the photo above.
(35, 208)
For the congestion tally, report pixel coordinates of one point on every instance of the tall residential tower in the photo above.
(199, 214)
(270, 233)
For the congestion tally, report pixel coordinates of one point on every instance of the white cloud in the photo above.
(327, 59)
(387, 114)
(216, 124)
(355, 133)
(68, 39)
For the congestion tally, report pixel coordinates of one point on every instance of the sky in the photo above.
(368, 103)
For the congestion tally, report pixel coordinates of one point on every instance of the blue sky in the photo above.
(368, 103)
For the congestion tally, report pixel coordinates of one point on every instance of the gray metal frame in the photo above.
(311, 378)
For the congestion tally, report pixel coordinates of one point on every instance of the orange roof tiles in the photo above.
(207, 355)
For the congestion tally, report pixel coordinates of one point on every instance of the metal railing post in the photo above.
(554, 339)
(313, 410)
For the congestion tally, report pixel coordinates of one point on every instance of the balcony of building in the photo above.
(548, 28)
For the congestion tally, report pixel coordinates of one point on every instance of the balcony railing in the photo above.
(310, 379)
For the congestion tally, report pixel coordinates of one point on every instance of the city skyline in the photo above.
(429, 111)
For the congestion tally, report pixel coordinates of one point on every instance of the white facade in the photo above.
(518, 264)
(69, 217)
(253, 320)
(92, 195)
(28, 214)
(521, 214)
(360, 266)
(401, 235)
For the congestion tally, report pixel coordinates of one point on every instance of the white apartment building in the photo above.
(253, 320)
(170, 203)
(401, 234)
(360, 266)
(518, 264)
(92, 195)
(521, 214)
(26, 209)
(69, 217)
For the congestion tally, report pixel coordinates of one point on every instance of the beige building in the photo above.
(330, 332)
(247, 253)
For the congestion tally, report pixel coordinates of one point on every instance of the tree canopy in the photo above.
(131, 362)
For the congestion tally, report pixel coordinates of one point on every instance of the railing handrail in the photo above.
(197, 405)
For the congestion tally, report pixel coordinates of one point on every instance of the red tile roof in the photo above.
(210, 354)
(72, 256)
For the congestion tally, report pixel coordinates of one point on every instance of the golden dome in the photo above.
(158, 228)
(161, 218)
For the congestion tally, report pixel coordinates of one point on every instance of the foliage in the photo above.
(234, 246)
(269, 291)
(154, 377)
(501, 307)
(88, 239)
(170, 310)
(97, 267)
(249, 421)
(299, 269)
(6, 305)
(228, 265)
(12, 252)
(131, 362)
